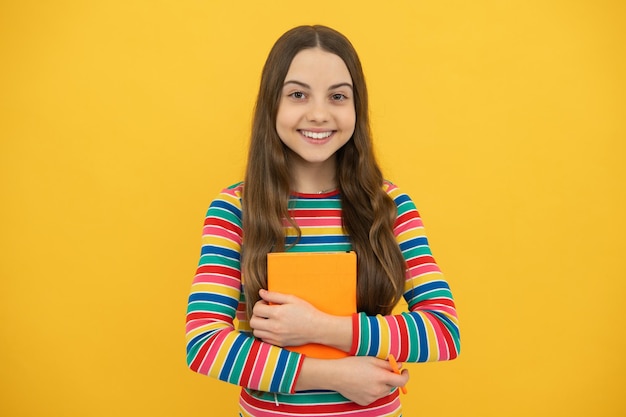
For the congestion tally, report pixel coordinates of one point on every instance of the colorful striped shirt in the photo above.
(219, 339)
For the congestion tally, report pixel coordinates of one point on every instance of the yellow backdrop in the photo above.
(120, 121)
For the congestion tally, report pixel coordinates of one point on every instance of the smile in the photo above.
(316, 135)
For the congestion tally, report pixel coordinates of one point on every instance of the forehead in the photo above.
(319, 65)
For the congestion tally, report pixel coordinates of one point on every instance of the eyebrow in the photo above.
(305, 85)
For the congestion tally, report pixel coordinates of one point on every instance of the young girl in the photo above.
(313, 185)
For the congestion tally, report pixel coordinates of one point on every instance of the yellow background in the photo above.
(121, 120)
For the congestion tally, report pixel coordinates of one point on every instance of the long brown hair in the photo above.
(368, 213)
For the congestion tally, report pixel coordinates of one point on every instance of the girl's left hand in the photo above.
(289, 321)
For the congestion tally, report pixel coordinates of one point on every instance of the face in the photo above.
(316, 113)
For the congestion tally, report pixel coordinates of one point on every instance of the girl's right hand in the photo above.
(362, 379)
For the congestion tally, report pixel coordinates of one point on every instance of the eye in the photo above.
(298, 95)
(338, 97)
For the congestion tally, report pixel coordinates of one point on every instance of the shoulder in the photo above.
(408, 221)
(234, 190)
(398, 196)
(228, 200)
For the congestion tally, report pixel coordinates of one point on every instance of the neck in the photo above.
(314, 178)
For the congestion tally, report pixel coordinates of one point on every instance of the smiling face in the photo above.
(316, 114)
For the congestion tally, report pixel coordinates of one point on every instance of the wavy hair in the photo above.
(368, 213)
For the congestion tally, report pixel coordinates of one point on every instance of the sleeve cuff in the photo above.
(355, 334)
(297, 374)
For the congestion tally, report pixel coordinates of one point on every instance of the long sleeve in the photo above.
(429, 331)
(214, 346)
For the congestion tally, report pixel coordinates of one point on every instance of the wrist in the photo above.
(335, 331)
(317, 374)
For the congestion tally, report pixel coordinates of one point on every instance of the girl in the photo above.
(312, 184)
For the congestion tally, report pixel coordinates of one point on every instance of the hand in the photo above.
(282, 323)
(362, 379)
(369, 379)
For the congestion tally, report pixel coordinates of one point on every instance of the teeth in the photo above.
(316, 135)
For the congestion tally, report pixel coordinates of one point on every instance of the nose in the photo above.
(318, 111)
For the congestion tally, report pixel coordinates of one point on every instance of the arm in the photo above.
(362, 379)
(429, 330)
(214, 347)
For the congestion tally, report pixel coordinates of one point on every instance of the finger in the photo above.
(405, 373)
(380, 363)
(260, 334)
(257, 323)
(404, 377)
(397, 379)
(265, 336)
(273, 297)
(400, 381)
(262, 309)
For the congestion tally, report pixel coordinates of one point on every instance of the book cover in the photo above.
(327, 280)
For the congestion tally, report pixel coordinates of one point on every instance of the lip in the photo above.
(316, 130)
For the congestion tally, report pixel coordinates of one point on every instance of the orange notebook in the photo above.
(326, 280)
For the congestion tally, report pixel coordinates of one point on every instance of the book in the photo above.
(327, 280)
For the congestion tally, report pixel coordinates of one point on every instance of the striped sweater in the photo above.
(219, 341)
